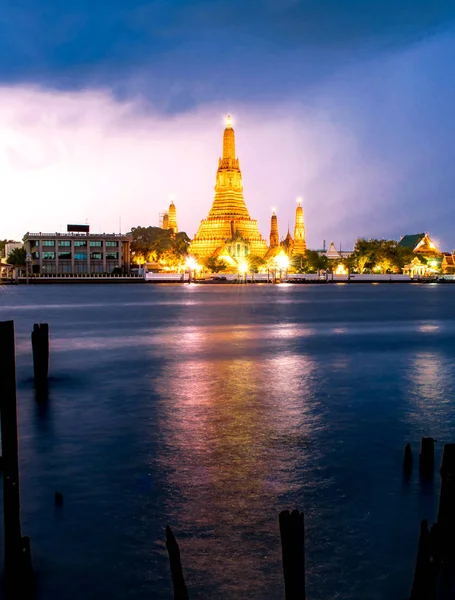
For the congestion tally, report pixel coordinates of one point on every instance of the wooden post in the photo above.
(18, 573)
(446, 524)
(424, 585)
(178, 581)
(292, 531)
(446, 513)
(40, 347)
(427, 457)
(407, 461)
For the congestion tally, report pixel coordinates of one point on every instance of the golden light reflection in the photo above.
(428, 328)
(238, 422)
(429, 380)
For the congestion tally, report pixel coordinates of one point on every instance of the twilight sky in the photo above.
(106, 108)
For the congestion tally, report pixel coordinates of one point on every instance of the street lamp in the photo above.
(192, 265)
(283, 263)
(243, 268)
(28, 260)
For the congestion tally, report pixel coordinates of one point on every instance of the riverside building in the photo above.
(77, 251)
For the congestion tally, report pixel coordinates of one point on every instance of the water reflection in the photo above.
(235, 429)
(427, 377)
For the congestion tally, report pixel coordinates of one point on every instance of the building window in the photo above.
(48, 255)
(66, 255)
(110, 266)
(35, 255)
(80, 256)
(96, 243)
(34, 243)
(80, 243)
(66, 243)
(246, 250)
(229, 249)
(64, 266)
(111, 255)
(49, 268)
(112, 244)
(81, 267)
(48, 242)
(96, 268)
(96, 256)
(238, 249)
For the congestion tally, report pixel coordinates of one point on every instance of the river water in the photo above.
(212, 408)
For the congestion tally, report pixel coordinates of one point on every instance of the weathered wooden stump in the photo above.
(426, 458)
(18, 570)
(446, 524)
(178, 581)
(40, 347)
(424, 585)
(407, 460)
(292, 531)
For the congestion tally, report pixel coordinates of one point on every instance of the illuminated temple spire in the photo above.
(274, 237)
(172, 217)
(228, 215)
(229, 140)
(299, 230)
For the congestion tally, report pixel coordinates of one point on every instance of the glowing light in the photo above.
(229, 121)
(273, 210)
(282, 261)
(433, 263)
(299, 200)
(243, 267)
(191, 263)
(432, 245)
(341, 270)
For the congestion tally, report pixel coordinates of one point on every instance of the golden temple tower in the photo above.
(274, 237)
(228, 218)
(172, 218)
(299, 230)
(166, 220)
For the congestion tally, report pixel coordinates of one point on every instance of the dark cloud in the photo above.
(240, 47)
(377, 75)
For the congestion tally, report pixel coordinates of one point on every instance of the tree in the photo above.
(255, 263)
(215, 265)
(316, 262)
(17, 257)
(299, 263)
(383, 255)
(3, 244)
(159, 245)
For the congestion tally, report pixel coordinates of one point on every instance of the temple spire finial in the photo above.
(229, 140)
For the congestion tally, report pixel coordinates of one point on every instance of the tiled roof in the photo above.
(411, 241)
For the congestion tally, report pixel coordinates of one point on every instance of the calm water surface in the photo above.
(211, 409)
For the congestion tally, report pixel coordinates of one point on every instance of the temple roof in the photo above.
(411, 241)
